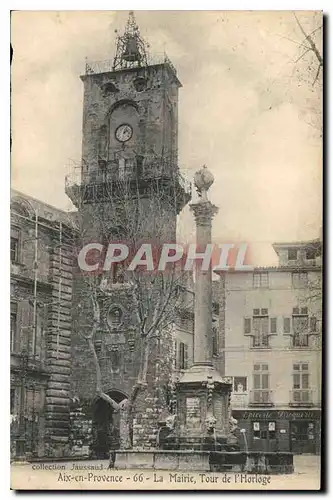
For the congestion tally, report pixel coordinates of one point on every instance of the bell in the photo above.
(131, 53)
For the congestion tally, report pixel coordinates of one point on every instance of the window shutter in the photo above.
(296, 381)
(264, 381)
(273, 325)
(286, 325)
(256, 381)
(247, 326)
(305, 381)
(181, 355)
(185, 356)
(313, 324)
(176, 355)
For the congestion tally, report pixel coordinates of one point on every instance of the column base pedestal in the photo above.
(202, 410)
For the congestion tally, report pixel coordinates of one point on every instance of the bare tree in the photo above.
(133, 217)
(311, 46)
(308, 70)
(309, 283)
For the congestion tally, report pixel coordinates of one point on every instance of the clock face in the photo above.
(124, 132)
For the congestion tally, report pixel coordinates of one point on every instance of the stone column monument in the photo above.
(202, 393)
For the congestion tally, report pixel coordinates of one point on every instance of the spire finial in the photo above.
(131, 49)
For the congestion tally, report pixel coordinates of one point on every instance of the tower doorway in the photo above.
(106, 426)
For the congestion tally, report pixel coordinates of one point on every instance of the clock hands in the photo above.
(124, 133)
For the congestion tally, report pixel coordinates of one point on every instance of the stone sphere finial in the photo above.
(203, 179)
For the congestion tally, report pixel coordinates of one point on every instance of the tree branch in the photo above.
(90, 340)
(310, 40)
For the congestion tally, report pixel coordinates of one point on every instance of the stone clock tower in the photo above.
(130, 190)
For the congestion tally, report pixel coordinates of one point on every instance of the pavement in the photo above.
(95, 475)
(307, 463)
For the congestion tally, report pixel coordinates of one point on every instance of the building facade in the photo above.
(273, 328)
(40, 319)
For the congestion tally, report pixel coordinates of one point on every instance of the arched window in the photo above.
(123, 126)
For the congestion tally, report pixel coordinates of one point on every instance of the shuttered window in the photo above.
(260, 376)
(183, 356)
(247, 326)
(286, 325)
(273, 325)
(313, 324)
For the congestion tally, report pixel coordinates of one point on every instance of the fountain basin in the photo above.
(205, 461)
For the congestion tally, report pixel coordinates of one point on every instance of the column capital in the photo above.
(204, 212)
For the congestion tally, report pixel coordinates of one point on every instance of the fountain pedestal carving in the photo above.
(202, 410)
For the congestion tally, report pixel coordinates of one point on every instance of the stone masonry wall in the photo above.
(80, 436)
(58, 343)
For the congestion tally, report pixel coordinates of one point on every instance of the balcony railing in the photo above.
(260, 342)
(86, 185)
(238, 400)
(107, 66)
(261, 397)
(301, 397)
(300, 340)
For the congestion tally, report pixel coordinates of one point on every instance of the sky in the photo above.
(248, 110)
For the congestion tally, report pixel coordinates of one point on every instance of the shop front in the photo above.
(297, 431)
